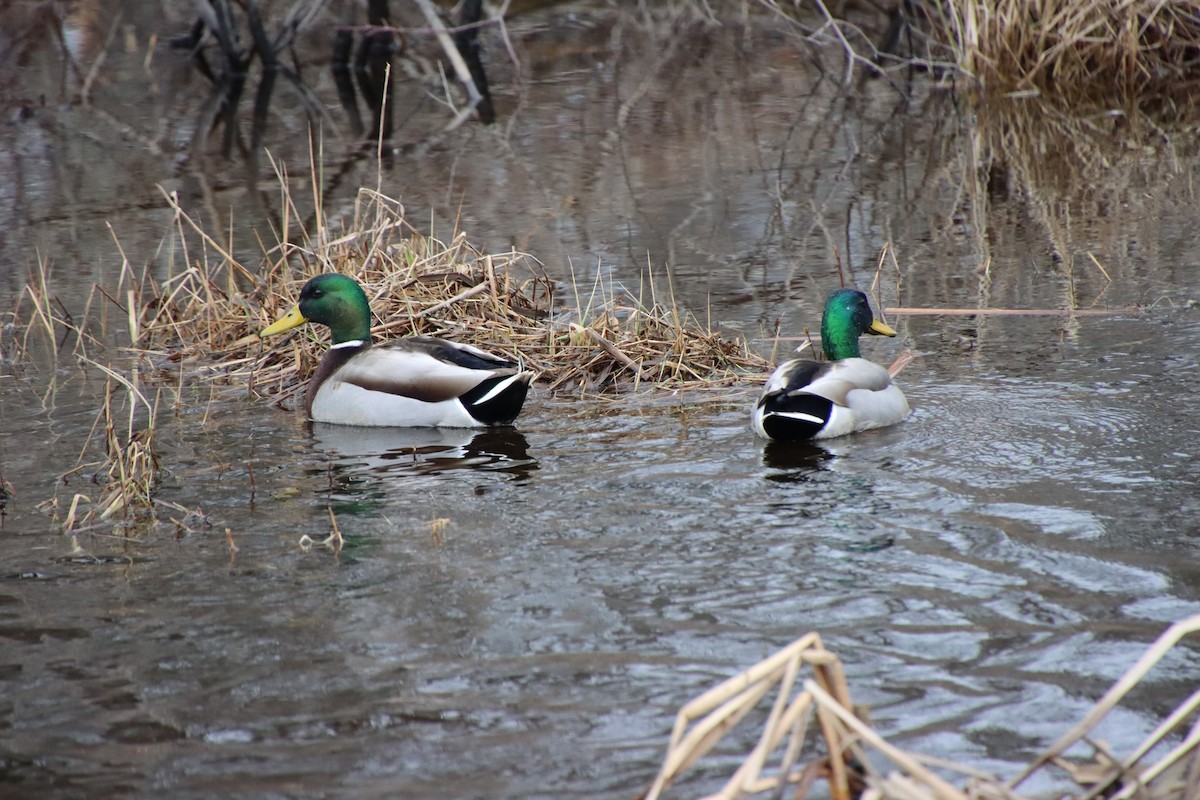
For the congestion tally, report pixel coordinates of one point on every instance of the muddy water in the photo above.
(520, 613)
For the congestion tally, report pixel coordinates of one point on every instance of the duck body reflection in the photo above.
(403, 452)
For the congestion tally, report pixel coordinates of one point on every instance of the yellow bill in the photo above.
(292, 319)
(877, 328)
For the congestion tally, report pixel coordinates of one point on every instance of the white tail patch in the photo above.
(497, 390)
(800, 416)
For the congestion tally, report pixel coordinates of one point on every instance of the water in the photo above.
(521, 613)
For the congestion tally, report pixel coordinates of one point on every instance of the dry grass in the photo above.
(599, 339)
(200, 326)
(118, 459)
(854, 755)
(1114, 55)
(1127, 54)
(117, 462)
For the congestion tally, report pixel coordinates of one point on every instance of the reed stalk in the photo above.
(1120, 54)
(857, 761)
(580, 341)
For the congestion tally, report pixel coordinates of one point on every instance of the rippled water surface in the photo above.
(521, 612)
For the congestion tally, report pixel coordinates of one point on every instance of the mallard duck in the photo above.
(819, 400)
(415, 382)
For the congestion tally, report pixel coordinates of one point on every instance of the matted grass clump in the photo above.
(598, 338)
(1128, 53)
(200, 326)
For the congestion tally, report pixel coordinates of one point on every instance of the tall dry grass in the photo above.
(146, 333)
(582, 338)
(1142, 54)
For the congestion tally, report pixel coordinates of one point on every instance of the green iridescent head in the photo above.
(847, 316)
(333, 300)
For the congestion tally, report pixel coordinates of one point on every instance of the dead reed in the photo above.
(857, 762)
(594, 339)
(1124, 54)
(201, 326)
(118, 458)
(118, 465)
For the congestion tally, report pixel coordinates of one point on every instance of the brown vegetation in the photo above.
(600, 338)
(859, 763)
(201, 326)
(1128, 54)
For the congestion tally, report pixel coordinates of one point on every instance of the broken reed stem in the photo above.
(1014, 312)
(701, 723)
(886, 772)
(612, 350)
(1130, 679)
(337, 532)
(469, 293)
(940, 788)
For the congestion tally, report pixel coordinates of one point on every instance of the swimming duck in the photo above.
(819, 400)
(415, 382)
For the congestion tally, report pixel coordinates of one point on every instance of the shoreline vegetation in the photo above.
(1126, 55)
(1121, 56)
(597, 337)
(597, 340)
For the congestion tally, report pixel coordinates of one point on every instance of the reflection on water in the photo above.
(364, 467)
(397, 453)
(794, 461)
(593, 573)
